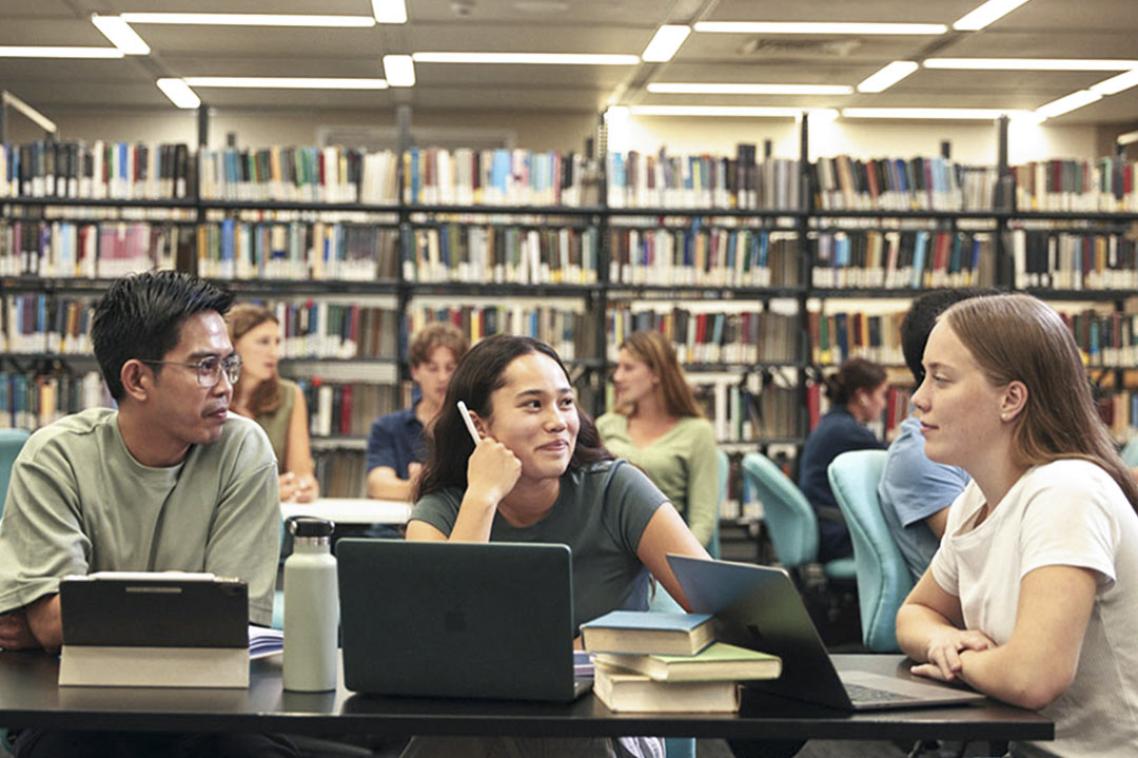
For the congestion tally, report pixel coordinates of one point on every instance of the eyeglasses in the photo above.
(209, 369)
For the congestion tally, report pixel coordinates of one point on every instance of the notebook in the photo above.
(758, 607)
(441, 619)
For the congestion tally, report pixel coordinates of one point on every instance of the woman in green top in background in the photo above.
(274, 403)
(659, 427)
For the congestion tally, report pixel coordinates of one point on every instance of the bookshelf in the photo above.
(720, 279)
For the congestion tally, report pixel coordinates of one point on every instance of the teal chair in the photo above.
(11, 443)
(1130, 453)
(789, 519)
(883, 578)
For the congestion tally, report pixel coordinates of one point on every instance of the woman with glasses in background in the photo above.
(275, 403)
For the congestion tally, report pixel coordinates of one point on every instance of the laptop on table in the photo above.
(441, 619)
(758, 607)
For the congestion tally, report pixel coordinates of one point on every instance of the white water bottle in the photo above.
(312, 607)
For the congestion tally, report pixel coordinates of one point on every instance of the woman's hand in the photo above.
(298, 489)
(492, 471)
(943, 653)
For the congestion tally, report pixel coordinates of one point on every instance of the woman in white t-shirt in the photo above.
(1032, 597)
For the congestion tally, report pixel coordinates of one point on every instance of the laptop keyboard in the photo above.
(861, 694)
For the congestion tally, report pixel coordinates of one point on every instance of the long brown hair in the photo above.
(656, 350)
(1017, 337)
(242, 319)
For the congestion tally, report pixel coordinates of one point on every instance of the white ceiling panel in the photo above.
(250, 41)
(881, 11)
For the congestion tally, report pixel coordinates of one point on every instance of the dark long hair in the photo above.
(481, 371)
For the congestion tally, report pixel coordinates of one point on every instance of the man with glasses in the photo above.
(168, 481)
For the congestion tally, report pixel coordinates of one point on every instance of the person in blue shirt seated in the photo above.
(857, 396)
(915, 492)
(396, 447)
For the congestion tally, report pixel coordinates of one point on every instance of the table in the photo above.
(30, 698)
(349, 510)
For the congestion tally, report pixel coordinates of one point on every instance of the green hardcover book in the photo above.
(717, 662)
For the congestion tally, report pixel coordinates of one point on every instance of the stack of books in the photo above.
(669, 663)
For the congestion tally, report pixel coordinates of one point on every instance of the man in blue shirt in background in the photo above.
(915, 492)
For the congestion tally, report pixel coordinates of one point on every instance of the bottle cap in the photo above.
(309, 526)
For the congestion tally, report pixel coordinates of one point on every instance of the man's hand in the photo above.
(15, 634)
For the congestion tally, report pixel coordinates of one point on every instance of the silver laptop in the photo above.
(758, 607)
(440, 619)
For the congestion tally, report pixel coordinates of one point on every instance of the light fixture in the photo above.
(247, 19)
(665, 42)
(1030, 64)
(568, 59)
(179, 93)
(817, 27)
(727, 111)
(399, 70)
(963, 114)
(284, 82)
(389, 11)
(887, 76)
(985, 14)
(120, 34)
(709, 88)
(1116, 84)
(1127, 139)
(25, 51)
(1068, 103)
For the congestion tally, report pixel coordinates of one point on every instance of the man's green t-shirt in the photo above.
(79, 502)
(600, 513)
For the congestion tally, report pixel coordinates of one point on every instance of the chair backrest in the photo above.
(789, 519)
(1130, 453)
(11, 442)
(883, 579)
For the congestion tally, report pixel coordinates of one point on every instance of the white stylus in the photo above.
(469, 423)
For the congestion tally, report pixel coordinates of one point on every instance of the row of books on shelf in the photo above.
(1105, 185)
(103, 250)
(97, 170)
(1074, 260)
(31, 400)
(711, 336)
(644, 180)
(341, 473)
(903, 259)
(704, 256)
(296, 251)
(916, 184)
(300, 174)
(567, 330)
(347, 408)
(437, 176)
(502, 254)
(839, 335)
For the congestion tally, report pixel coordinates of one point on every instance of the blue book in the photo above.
(648, 633)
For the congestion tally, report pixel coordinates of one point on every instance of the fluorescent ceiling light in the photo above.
(179, 93)
(702, 88)
(887, 76)
(24, 51)
(389, 11)
(1116, 84)
(1127, 139)
(284, 82)
(665, 42)
(568, 59)
(1031, 64)
(816, 27)
(120, 34)
(725, 111)
(963, 114)
(246, 19)
(399, 70)
(1068, 103)
(986, 14)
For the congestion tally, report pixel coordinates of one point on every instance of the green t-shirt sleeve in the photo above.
(244, 535)
(439, 509)
(41, 536)
(630, 502)
(703, 482)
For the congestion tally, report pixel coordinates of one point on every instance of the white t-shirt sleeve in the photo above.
(1069, 523)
